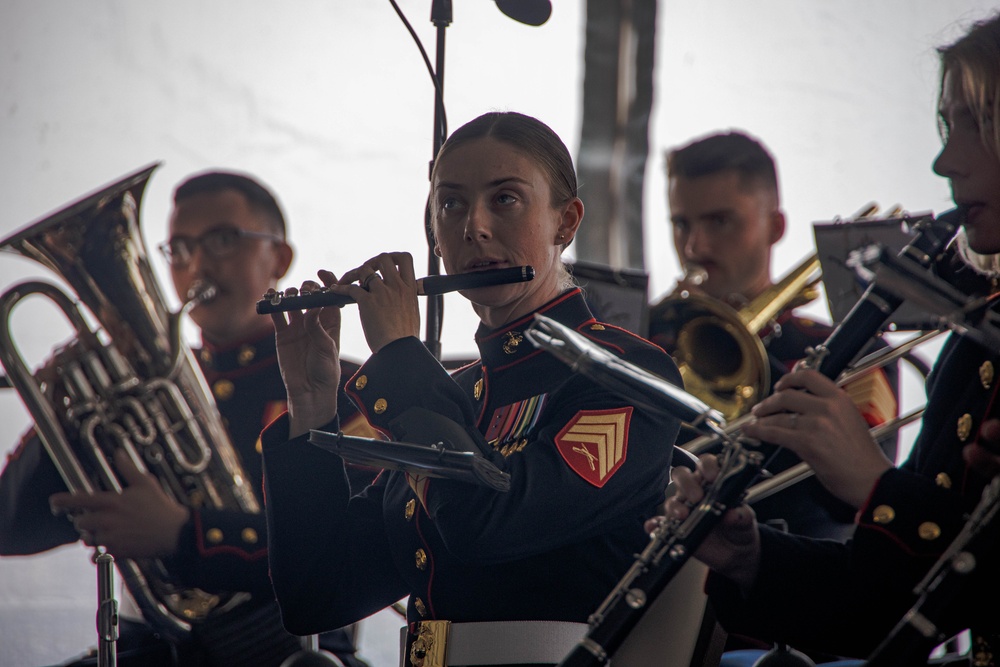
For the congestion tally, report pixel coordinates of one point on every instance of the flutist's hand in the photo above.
(733, 547)
(308, 346)
(810, 415)
(386, 297)
(140, 522)
(983, 455)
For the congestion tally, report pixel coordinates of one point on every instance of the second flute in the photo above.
(425, 287)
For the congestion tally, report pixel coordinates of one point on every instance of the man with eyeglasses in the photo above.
(226, 231)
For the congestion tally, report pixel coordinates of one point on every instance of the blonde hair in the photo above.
(974, 60)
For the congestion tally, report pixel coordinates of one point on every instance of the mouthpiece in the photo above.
(200, 292)
(278, 302)
(695, 274)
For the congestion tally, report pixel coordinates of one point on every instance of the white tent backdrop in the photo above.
(330, 104)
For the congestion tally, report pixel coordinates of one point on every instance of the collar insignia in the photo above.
(514, 339)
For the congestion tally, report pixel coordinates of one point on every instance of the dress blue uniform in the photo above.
(846, 598)
(586, 469)
(805, 508)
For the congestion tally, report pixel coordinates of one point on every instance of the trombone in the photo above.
(718, 352)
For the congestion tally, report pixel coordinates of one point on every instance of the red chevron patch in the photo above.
(595, 442)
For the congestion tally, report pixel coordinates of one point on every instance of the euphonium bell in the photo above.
(717, 348)
(132, 385)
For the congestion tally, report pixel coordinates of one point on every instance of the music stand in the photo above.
(835, 241)
(615, 296)
(429, 460)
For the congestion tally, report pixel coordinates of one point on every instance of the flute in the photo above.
(278, 302)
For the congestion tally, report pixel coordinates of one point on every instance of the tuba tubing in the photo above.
(130, 385)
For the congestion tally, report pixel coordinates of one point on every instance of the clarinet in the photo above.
(673, 542)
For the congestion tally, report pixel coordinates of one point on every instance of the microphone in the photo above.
(530, 12)
(278, 302)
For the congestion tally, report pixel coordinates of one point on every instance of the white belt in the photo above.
(494, 643)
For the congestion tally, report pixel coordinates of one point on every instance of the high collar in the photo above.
(507, 345)
(237, 355)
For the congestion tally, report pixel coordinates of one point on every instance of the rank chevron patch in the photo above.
(594, 443)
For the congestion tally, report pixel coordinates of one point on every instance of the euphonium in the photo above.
(130, 385)
(716, 347)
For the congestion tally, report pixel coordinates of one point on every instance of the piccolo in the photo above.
(278, 302)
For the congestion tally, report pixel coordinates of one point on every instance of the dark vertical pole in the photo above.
(614, 142)
(441, 16)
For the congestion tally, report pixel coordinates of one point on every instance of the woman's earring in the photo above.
(437, 250)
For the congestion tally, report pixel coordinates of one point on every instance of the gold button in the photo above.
(223, 390)
(418, 604)
(249, 535)
(597, 327)
(986, 374)
(411, 507)
(421, 559)
(380, 406)
(883, 514)
(246, 355)
(196, 499)
(943, 480)
(213, 535)
(206, 356)
(477, 390)
(964, 427)
(361, 382)
(929, 530)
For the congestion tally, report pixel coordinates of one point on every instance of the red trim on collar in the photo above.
(531, 316)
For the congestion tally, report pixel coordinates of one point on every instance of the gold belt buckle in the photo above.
(430, 644)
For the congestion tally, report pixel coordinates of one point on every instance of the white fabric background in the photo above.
(330, 104)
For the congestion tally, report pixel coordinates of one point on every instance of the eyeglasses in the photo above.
(218, 242)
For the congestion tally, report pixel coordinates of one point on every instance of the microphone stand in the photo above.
(107, 611)
(441, 16)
